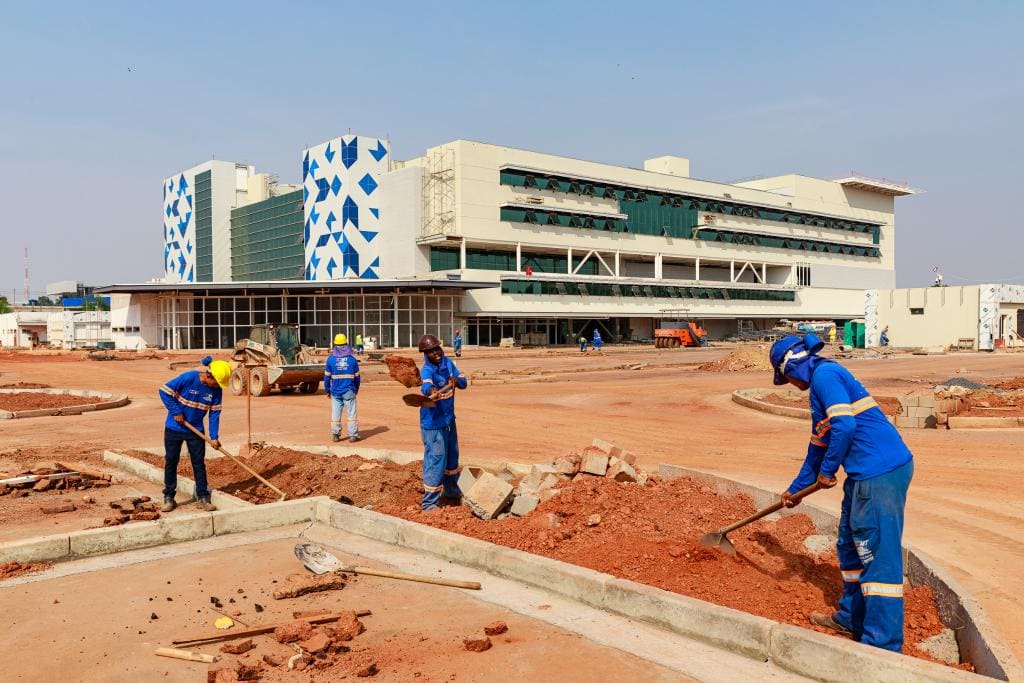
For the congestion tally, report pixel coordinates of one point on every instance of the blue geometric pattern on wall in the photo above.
(341, 245)
(179, 229)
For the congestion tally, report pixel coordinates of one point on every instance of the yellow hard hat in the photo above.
(340, 339)
(221, 371)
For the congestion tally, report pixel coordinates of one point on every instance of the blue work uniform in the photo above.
(457, 345)
(598, 342)
(440, 436)
(849, 430)
(187, 396)
(341, 382)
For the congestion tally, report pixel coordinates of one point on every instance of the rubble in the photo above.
(477, 644)
(594, 462)
(621, 471)
(368, 670)
(346, 627)
(531, 482)
(489, 496)
(496, 628)
(524, 504)
(301, 584)
(567, 465)
(293, 631)
(57, 509)
(609, 449)
(468, 477)
(316, 643)
(237, 648)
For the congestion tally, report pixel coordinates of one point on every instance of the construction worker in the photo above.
(457, 343)
(359, 344)
(598, 342)
(437, 425)
(188, 398)
(583, 344)
(849, 430)
(341, 382)
(832, 336)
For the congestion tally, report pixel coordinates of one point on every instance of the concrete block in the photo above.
(566, 465)
(629, 458)
(723, 627)
(367, 523)
(569, 580)
(548, 494)
(471, 552)
(524, 504)
(609, 449)
(141, 535)
(622, 471)
(926, 401)
(903, 422)
(489, 496)
(532, 481)
(909, 401)
(594, 463)
(468, 476)
(38, 549)
(827, 658)
(919, 411)
(518, 469)
(958, 422)
(263, 516)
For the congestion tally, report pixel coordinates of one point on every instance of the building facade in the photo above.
(548, 245)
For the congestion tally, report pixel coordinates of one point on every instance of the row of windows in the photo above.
(645, 291)
(266, 239)
(781, 242)
(557, 183)
(482, 259)
(204, 227)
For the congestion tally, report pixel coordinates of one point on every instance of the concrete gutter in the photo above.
(751, 398)
(110, 401)
(955, 422)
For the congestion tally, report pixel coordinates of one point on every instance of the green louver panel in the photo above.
(731, 237)
(266, 239)
(547, 287)
(482, 259)
(204, 227)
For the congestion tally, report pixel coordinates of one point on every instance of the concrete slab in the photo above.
(264, 516)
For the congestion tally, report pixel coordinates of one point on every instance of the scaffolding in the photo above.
(439, 193)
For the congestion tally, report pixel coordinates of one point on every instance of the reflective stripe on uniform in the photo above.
(851, 575)
(184, 401)
(344, 377)
(433, 489)
(883, 590)
(839, 409)
(866, 403)
(815, 441)
(216, 407)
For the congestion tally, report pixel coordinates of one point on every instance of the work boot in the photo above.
(353, 439)
(829, 622)
(205, 505)
(335, 438)
(168, 505)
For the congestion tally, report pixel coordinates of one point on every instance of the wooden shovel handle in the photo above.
(472, 585)
(237, 461)
(775, 507)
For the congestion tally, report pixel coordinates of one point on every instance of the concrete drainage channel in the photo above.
(798, 650)
(107, 401)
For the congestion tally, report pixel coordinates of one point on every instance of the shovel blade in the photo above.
(316, 559)
(418, 401)
(718, 540)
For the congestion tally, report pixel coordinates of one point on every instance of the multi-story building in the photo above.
(506, 242)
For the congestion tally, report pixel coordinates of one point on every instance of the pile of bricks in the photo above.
(40, 480)
(134, 508)
(492, 496)
(926, 411)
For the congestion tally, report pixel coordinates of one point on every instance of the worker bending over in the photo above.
(848, 430)
(188, 398)
(341, 382)
(437, 425)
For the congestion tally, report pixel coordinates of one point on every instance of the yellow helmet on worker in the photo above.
(340, 339)
(221, 371)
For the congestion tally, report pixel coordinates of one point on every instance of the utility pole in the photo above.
(25, 286)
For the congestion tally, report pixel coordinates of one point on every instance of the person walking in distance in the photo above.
(583, 344)
(437, 425)
(341, 382)
(849, 430)
(189, 398)
(359, 344)
(598, 343)
(457, 343)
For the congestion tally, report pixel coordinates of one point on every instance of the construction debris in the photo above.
(477, 644)
(742, 359)
(594, 462)
(302, 584)
(489, 496)
(496, 628)
(237, 648)
(9, 570)
(291, 632)
(403, 370)
(57, 509)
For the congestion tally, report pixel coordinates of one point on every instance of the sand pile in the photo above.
(741, 359)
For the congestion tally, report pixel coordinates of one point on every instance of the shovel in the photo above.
(418, 401)
(319, 561)
(238, 462)
(718, 539)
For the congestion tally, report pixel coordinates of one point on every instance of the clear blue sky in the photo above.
(916, 91)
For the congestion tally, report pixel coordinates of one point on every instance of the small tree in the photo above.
(4, 306)
(45, 301)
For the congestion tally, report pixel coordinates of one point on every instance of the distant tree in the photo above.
(99, 303)
(45, 301)
(4, 306)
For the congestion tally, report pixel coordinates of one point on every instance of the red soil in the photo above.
(25, 385)
(993, 404)
(1014, 383)
(9, 570)
(33, 401)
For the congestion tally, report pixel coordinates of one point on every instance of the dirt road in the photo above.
(965, 507)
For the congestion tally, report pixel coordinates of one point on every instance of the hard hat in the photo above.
(428, 342)
(221, 371)
(786, 349)
(340, 339)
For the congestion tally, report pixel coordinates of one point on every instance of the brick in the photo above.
(622, 471)
(237, 648)
(496, 628)
(293, 631)
(551, 481)
(316, 643)
(468, 476)
(927, 401)
(610, 449)
(145, 516)
(301, 584)
(43, 485)
(567, 465)
(594, 463)
(524, 504)
(904, 422)
(489, 496)
(477, 644)
(57, 509)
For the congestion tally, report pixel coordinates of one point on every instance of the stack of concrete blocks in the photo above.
(925, 411)
(540, 485)
(618, 464)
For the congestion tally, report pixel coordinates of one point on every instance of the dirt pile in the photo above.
(33, 401)
(9, 570)
(404, 371)
(300, 474)
(25, 385)
(743, 358)
(1010, 384)
(650, 534)
(43, 478)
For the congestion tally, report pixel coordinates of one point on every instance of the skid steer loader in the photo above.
(279, 359)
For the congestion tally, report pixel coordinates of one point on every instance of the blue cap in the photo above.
(781, 350)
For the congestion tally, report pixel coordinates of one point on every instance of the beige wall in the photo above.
(950, 313)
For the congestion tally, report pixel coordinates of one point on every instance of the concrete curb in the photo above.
(751, 398)
(800, 650)
(155, 475)
(113, 401)
(954, 422)
(977, 638)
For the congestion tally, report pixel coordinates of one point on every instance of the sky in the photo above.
(101, 101)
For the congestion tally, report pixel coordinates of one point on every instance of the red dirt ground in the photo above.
(302, 474)
(993, 404)
(650, 535)
(1014, 383)
(743, 358)
(9, 570)
(25, 385)
(32, 401)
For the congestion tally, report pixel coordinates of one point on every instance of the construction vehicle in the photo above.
(673, 334)
(818, 327)
(273, 357)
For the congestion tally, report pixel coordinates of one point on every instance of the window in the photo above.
(803, 276)
(916, 311)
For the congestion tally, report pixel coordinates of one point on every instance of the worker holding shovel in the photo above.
(188, 398)
(849, 430)
(437, 424)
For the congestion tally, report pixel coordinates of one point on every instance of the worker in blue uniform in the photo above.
(598, 343)
(341, 383)
(849, 430)
(437, 424)
(189, 397)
